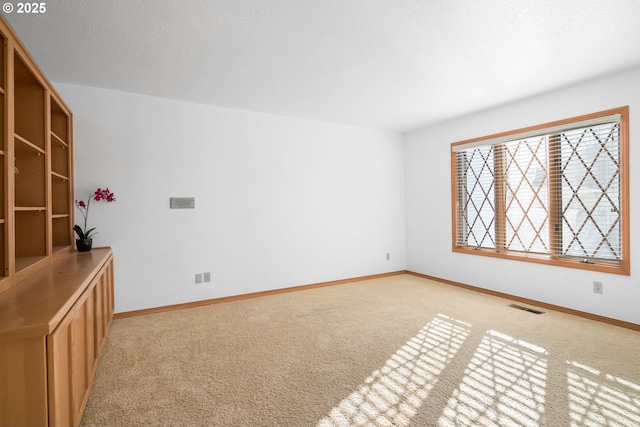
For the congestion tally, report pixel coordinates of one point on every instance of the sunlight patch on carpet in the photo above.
(503, 385)
(597, 399)
(391, 395)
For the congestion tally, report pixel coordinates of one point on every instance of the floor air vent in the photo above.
(530, 310)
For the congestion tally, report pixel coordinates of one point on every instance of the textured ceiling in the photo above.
(385, 64)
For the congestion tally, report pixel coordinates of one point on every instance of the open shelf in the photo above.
(31, 242)
(29, 173)
(59, 157)
(24, 262)
(60, 232)
(60, 191)
(59, 122)
(28, 105)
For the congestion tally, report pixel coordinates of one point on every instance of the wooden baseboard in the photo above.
(616, 322)
(250, 295)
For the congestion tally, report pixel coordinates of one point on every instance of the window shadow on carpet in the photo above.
(505, 383)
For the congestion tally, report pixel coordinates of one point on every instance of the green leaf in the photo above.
(84, 234)
(78, 231)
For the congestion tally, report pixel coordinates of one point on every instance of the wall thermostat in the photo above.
(182, 202)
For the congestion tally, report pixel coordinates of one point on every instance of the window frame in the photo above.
(622, 268)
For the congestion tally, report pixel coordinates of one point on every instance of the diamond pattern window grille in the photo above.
(527, 215)
(478, 198)
(554, 193)
(591, 192)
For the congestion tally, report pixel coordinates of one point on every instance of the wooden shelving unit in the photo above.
(56, 304)
(37, 164)
(60, 176)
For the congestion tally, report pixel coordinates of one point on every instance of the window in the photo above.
(555, 193)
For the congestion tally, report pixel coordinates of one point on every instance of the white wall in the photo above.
(283, 202)
(280, 202)
(428, 194)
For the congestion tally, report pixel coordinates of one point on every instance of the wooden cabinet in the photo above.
(36, 164)
(52, 329)
(56, 304)
(71, 355)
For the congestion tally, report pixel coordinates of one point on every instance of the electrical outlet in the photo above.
(388, 256)
(207, 276)
(198, 277)
(597, 287)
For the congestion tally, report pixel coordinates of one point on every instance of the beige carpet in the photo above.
(396, 351)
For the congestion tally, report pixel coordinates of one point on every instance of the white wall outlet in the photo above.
(198, 277)
(597, 287)
(207, 276)
(388, 256)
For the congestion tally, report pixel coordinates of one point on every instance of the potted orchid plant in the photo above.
(84, 240)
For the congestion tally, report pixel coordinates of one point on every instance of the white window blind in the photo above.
(552, 191)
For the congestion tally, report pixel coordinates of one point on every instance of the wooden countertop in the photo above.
(36, 305)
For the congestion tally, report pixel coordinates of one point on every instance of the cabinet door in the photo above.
(103, 303)
(100, 327)
(83, 353)
(23, 385)
(60, 349)
(71, 356)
